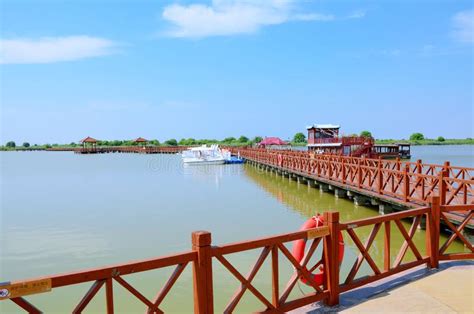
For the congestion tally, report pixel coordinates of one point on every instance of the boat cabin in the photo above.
(387, 151)
(322, 133)
(325, 139)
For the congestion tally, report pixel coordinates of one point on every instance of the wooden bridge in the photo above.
(123, 149)
(389, 184)
(204, 256)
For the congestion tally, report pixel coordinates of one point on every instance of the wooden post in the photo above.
(442, 186)
(331, 257)
(109, 296)
(433, 232)
(343, 171)
(386, 252)
(275, 279)
(202, 273)
(379, 176)
(419, 166)
(447, 164)
(406, 183)
(330, 163)
(359, 174)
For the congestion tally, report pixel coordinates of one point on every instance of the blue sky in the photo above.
(212, 69)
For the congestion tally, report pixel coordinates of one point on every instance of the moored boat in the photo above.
(205, 155)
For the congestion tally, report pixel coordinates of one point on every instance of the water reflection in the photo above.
(303, 199)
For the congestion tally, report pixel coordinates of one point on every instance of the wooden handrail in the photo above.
(203, 254)
(408, 183)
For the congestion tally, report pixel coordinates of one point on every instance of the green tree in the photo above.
(11, 144)
(187, 141)
(243, 139)
(299, 138)
(26, 144)
(257, 139)
(73, 144)
(155, 142)
(440, 139)
(365, 134)
(228, 140)
(417, 137)
(171, 142)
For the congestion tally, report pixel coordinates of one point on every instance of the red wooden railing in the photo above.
(203, 255)
(344, 140)
(411, 183)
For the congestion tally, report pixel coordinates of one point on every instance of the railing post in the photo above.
(331, 257)
(318, 166)
(202, 273)
(359, 173)
(343, 171)
(379, 176)
(442, 186)
(330, 169)
(433, 232)
(419, 166)
(406, 183)
(447, 165)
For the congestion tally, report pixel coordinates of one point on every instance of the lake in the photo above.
(62, 212)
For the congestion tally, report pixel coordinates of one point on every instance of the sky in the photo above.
(214, 69)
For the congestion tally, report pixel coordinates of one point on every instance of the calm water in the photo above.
(62, 212)
(458, 155)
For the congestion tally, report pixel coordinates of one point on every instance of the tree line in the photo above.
(298, 139)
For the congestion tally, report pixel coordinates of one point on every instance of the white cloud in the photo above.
(230, 17)
(357, 14)
(463, 23)
(314, 17)
(53, 49)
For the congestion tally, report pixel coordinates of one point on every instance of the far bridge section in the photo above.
(124, 149)
(392, 185)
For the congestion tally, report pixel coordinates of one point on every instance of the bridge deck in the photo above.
(405, 184)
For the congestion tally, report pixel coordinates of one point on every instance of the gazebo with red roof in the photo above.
(272, 141)
(141, 141)
(89, 140)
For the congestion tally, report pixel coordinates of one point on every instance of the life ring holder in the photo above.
(299, 247)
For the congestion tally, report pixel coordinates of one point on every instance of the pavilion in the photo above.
(89, 141)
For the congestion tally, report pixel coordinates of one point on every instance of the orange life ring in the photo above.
(299, 246)
(280, 160)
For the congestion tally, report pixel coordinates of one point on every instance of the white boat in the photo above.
(205, 155)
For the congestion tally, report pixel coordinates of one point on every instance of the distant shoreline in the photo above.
(468, 141)
(425, 142)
